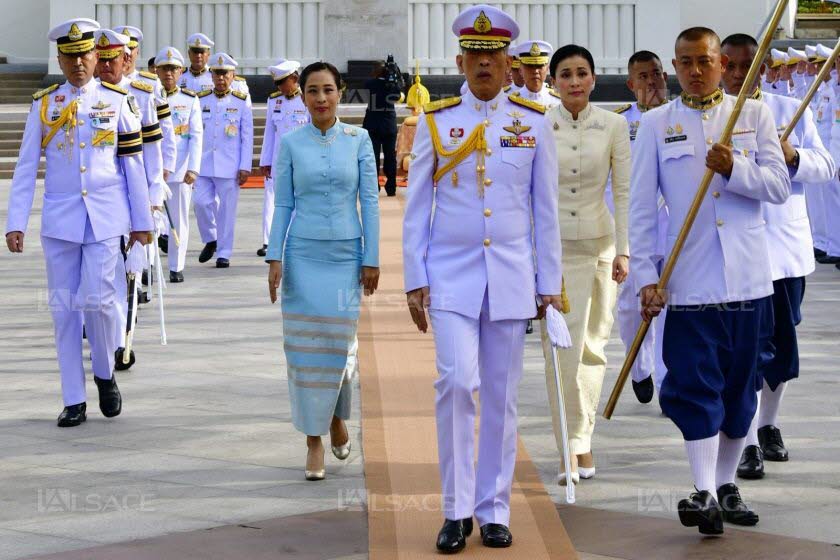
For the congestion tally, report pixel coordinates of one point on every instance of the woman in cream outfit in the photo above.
(591, 144)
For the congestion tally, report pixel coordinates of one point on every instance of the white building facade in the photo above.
(257, 32)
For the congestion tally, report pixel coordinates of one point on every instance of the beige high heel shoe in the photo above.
(314, 468)
(342, 451)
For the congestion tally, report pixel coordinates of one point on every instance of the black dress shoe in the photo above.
(72, 415)
(453, 535)
(222, 263)
(496, 535)
(208, 252)
(176, 277)
(819, 253)
(142, 297)
(261, 251)
(110, 400)
(163, 243)
(118, 359)
(144, 278)
(751, 466)
(530, 327)
(770, 440)
(735, 511)
(828, 259)
(702, 511)
(644, 390)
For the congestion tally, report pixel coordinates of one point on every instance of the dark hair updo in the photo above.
(569, 51)
(320, 67)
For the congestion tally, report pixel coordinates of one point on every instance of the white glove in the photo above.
(136, 261)
(558, 332)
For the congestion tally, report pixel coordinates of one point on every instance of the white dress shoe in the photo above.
(586, 472)
(561, 478)
(342, 451)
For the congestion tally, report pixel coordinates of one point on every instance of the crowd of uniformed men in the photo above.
(119, 142)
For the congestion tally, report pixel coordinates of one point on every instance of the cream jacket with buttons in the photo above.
(587, 150)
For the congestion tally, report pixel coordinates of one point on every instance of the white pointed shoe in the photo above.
(586, 472)
(561, 478)
(342, 451)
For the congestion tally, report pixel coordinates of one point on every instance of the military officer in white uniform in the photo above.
(94, 190)
(189, 134)
(824, 107)
(648, 82)
(197, 77)
(534, 57)
(285, 112)
(719, 313)
(478, 268)
(791, 258)
(778, 76)
(227, 151)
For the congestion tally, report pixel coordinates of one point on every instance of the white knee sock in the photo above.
(752, 435)
(770, 402)
(729, 455)
(703, 458)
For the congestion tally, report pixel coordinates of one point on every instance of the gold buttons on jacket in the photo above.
(488, 182)
(84, 192)
(486, 242)
(716, 194)
(489, 152)
(83, 169)
(81, 122)
(82, 145)
(486, 122)
(706, 116)
(487, 212)
(720, 223)
(709, 141)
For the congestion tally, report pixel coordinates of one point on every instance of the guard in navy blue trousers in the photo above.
(720, 309)
(791, 258)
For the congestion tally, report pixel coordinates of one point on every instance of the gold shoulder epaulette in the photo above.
(445, 103)
(142, 86)
(239, 78)
(533, 105)
(554, 93)
(506, 88)
(148, 75)
(39, 94)
(624, 108)
(204, 93)
(240, 95)
(275, 94)
(112, 87)
(189, 92)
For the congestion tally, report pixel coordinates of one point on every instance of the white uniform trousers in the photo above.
(81, 287)
(268, 208)
(831, 210)
(816, 213)
(649, 360)
(179, 208)
(215, 211)
(484, 355)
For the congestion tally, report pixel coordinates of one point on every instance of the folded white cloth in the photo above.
(558, 332)
(136, 261)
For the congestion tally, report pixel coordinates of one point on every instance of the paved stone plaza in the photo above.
(204, 439)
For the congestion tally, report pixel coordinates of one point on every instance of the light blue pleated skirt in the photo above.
(320, 296)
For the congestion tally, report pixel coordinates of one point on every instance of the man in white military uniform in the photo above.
(719, 313)
(112, 49)
(227, 151)
(189, 134)
(648, 82)
(831, 196)
(493, 159)
(791, 258)
(197, 78)
(534, 57)
(285, 112)
(95, 190)
(778, 76)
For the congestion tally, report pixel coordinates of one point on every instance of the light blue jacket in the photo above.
(319, 178)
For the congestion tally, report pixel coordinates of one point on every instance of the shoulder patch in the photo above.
(41, 93)
(142, 86)
(148, 75)
(189, 92)
(275, 95)
(533, 105)
(204, 93)
(445, 103)
(239, 78)
(554, 93)
(240, 95)
(112, 87)
(623, 108)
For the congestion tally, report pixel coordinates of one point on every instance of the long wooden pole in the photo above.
(806, 101)
(700, 195)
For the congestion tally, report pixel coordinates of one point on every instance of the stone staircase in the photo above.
(12, 125)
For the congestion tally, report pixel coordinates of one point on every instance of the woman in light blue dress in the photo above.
(324, 254)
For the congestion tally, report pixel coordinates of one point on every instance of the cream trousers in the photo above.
(587, 271)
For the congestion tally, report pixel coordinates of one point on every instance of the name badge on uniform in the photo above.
(231, 130)
(100, 122)
(232, 110)
(518, 141)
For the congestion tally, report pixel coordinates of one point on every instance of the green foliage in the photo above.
(818, 7)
